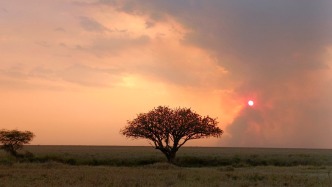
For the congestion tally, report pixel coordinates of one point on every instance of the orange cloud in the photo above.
(85, 73)
(75, 69)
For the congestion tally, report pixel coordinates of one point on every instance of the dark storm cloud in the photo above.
(274, 51)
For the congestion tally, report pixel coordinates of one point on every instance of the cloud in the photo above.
(158, 44)
(59, 29)
(273, 51)
(91, 25)
(111, 46)
(277, 54)
(15, 71)
(77, 73)
(88, 76)
(3, 10)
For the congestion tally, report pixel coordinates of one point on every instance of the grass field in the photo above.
(145, 166)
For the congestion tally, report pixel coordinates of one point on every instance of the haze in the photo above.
(73, 72)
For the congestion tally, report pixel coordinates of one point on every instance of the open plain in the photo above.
(145, 166)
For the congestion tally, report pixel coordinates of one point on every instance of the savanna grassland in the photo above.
(145, 166)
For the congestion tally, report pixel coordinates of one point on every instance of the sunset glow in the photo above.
(73, 72)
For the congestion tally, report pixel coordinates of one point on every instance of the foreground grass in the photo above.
(145, 166)
(160, 174)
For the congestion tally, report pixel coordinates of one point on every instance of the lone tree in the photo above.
(169, 129)
(13, 140)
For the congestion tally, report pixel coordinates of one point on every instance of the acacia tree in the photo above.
(13, 140)
(169, 129)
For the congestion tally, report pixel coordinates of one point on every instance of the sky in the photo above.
(74, 71)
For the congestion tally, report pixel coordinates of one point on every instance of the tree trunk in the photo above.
(171, 157)
(169, 153)
(13, 153)
(10, 150)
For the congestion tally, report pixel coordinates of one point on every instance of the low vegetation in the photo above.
(187, 156)
(143, 166)
(160, 174)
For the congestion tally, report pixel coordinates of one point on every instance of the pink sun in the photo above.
(251, 103)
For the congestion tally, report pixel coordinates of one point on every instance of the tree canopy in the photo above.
(13, 140)
(169, 129)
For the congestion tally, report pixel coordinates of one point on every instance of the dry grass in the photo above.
(160, 174)
(144, 166)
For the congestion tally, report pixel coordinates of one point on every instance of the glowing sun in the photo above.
(251, 103)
